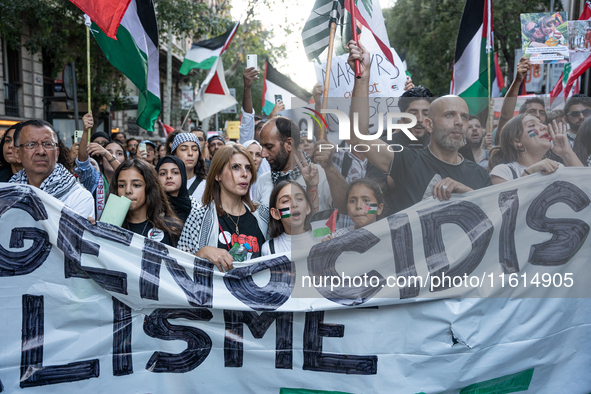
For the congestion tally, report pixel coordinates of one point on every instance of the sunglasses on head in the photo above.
(576, 114)
(533, 29)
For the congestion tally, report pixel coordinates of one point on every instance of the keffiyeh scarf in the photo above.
(59, 183)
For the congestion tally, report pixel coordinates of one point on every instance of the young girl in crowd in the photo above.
(186, 147)
(524, 142)
(150, 214)
(289, 226)
(254, 148)
(9, 161)
(365, 203)
(173, 178)
(228, 215)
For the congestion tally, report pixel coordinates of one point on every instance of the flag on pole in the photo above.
(203, 54)
(499, 83)
(316, 31)
(214, 95)
(135, 54)
(107, 14)
(470, 70)
(278, 86)
(167, 129)
(322, 228)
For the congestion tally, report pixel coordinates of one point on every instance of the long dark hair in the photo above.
(15, 127)
(506, 152)
(212, 187)
(276, 226)
(582, 145)
(159, 212)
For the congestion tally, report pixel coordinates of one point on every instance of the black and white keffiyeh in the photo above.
(278, 176)
(59, 183)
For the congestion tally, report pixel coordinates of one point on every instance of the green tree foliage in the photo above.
(426, 30)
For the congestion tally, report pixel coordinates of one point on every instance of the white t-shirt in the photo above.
(504, 170)
(287, 243)
(198, 193)
(264, 187)
(80, 201)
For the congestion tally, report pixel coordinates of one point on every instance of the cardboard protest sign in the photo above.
(99, 309)
(544, 37)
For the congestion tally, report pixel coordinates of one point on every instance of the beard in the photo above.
(441, 136)
(280, 162)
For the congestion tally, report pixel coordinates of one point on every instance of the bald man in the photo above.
(436, 171)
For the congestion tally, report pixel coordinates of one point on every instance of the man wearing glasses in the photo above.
(576, 109)
(38, 152)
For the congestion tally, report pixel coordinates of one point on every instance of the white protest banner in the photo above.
(100, 309)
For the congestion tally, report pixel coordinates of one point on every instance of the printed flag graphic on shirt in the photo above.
(470, 72)
(203, 54)
(278, 86)
(107, 14)
(214, 95)
(135, 54)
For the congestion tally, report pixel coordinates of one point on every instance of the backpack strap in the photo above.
(513, 172)
(272, 246)
(194, 186)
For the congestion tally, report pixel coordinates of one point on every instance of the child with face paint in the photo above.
(525, 140)
(548, 25)
(365, 203)
(290, 223)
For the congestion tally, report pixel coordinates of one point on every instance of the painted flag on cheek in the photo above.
(285, 213)
(371, 209)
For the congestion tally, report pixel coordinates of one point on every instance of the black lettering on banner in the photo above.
(33, 372)
(322, 260)
(156, 325)
(23, 262)
(269, 297)
(315, 360)
(568, 235)
(70, 241)
(199, 291)
(509, 205)
(402, 248)
(470, 218)
(258, 326)
(122, 356)
(1, 387)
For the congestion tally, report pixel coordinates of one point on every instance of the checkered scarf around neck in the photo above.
(278, 176)
(57, 184)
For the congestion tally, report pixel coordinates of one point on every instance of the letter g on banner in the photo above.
(24, 262)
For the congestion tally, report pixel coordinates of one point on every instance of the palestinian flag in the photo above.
(285, 213)
(279, 86)
(135, 54)
(107, 14)
(322, 228)
(371, 209)
(579, 63)
(214, 95)
(203, 54)
(470, 71)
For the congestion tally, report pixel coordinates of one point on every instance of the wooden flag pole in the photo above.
(88, 65)
(490, 113)
(355, 37)
(333, 28)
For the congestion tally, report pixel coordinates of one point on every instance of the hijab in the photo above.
(181, 204)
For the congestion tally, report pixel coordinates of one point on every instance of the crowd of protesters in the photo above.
(231, 201)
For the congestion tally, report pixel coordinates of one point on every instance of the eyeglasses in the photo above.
(35, 145)
(533, 29)
(576, 114)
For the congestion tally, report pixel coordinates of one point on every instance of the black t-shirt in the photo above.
(5, 173)
(249, 231)
(146, 229)
(416, 171)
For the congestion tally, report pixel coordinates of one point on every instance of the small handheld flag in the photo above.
(285, 213)
(371, 209)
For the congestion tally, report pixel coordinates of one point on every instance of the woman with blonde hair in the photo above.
(228, 215)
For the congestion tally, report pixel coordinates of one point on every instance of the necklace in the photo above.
(143, 230)
(235, 222)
